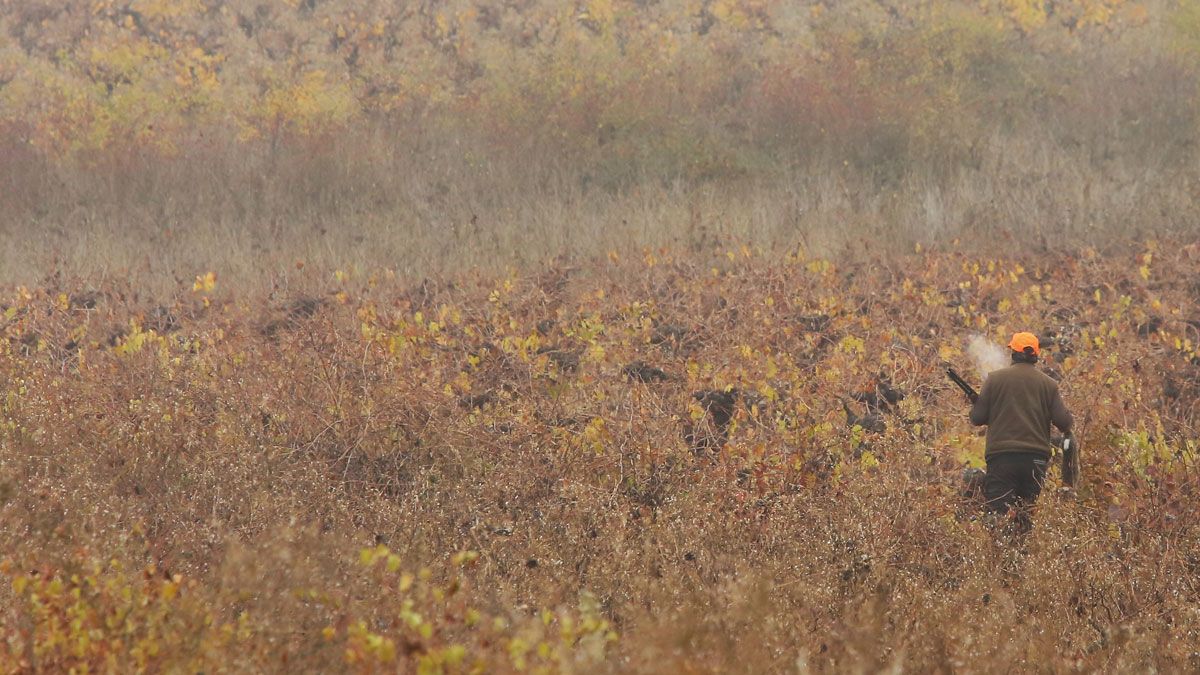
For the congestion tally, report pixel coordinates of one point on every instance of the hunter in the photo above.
(1018, 404)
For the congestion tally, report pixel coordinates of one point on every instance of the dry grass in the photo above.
(231, 452)
(515, 135)
(522, 347)
(251, 216)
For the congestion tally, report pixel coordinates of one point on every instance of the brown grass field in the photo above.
(498, 336)
(159, 140)
(515, 473)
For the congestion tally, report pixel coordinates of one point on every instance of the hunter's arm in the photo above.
(1059, 413)
(981, 410)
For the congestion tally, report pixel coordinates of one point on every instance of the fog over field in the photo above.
(595, 336)
(164, 139)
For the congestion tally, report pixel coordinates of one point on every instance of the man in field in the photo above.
(1018, 404)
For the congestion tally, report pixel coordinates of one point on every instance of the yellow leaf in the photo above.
(205, 283)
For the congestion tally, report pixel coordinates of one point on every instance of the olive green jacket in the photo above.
(1018, 404)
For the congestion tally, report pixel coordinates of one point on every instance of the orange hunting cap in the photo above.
(1022, 341)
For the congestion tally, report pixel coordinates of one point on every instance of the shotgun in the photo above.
(972, 395)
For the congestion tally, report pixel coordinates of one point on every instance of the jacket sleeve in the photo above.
(1059, 413)
(981, 410)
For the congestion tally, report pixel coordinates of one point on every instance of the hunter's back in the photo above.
(1018, 403)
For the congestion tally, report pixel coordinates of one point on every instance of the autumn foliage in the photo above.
(462, 133)
(595, 336)
(81, 77)
(625, 464)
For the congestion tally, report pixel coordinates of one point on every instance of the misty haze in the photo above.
(589, 336)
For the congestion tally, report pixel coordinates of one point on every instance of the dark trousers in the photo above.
(1013, 483)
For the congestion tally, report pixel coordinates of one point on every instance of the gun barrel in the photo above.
(962, 384)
